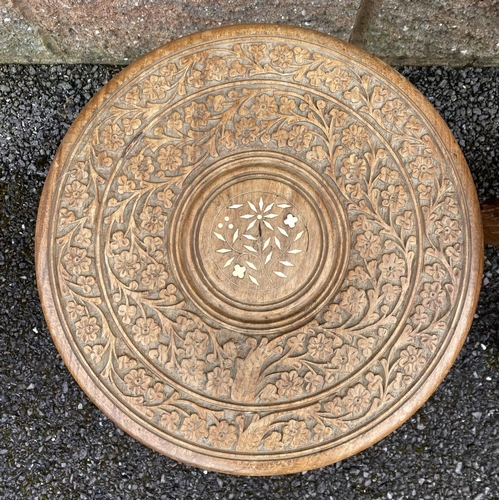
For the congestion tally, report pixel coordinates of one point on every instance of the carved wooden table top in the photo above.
(259, 250)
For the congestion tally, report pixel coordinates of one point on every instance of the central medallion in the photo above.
(259, 240)
(256, 244)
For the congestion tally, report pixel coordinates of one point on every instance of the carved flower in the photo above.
(346, 358)
(125, 185)
(112, 136)
(154, 276)
(425, 192)
(191, 371)
(195, 79)
(146, 330)
(332, 315)
(392, 267)
(353, 167)
(137, 381)
(194, 427)
(320, 347)
(436, 271)
(321, 432)
(264, 106)
(394, 197)
(237, 69)
(390, 292)
(169, 293)
(354, 137)
(281, 56)
(366, 346)
(156, 87)
(134, 96)
(195, 343)
(77, 261)
(74, 310)
(170, 158)
(357, 399)
(450, 205)
(87, 328)
(215, 68)
(280, 136)
(295, 433)
(429, 341)
(219, 382)
(141, 167)
(394, 111)
(94, 352)
(86, 282)
(420, 315)
(368, 245)
(273, 441)
(408, 149)
(401, 381)
(127, 313)
(358, 275)
(80, 172)
(84, 237)
(412, 125)
(75, 194)
(126, 264)
(334, 407)
(257, 51)
(131, 124)
(227, 139)
(299, 137)
(411, 359)
(353, 300)
(174, 122)
(166, 196)
(170, 420)
(448, 230)
(152, 243)
(290, 384)
(386, 174)
(301, 55)
(422, 168)
(287, 105)
(197, 114)
(152, 219)
(169, 71)
(222, 435)
(316, 77)
(66, 217)
(433, 296)
(246, 130)
(314, 382)
(155, 393)
(405, 221)
(338, 117)
(337, 79)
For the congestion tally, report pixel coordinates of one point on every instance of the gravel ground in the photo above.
(55, 444)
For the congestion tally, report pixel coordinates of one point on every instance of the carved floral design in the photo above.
(340, 359)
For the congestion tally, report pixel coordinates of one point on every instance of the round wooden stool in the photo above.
(259, 250)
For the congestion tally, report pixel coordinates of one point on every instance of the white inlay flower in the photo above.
(239, 271)
(260, 213)
(290, 221)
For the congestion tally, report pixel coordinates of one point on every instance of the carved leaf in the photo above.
(218, 235)
(280, 274)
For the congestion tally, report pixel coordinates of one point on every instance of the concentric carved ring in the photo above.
(255, 250)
